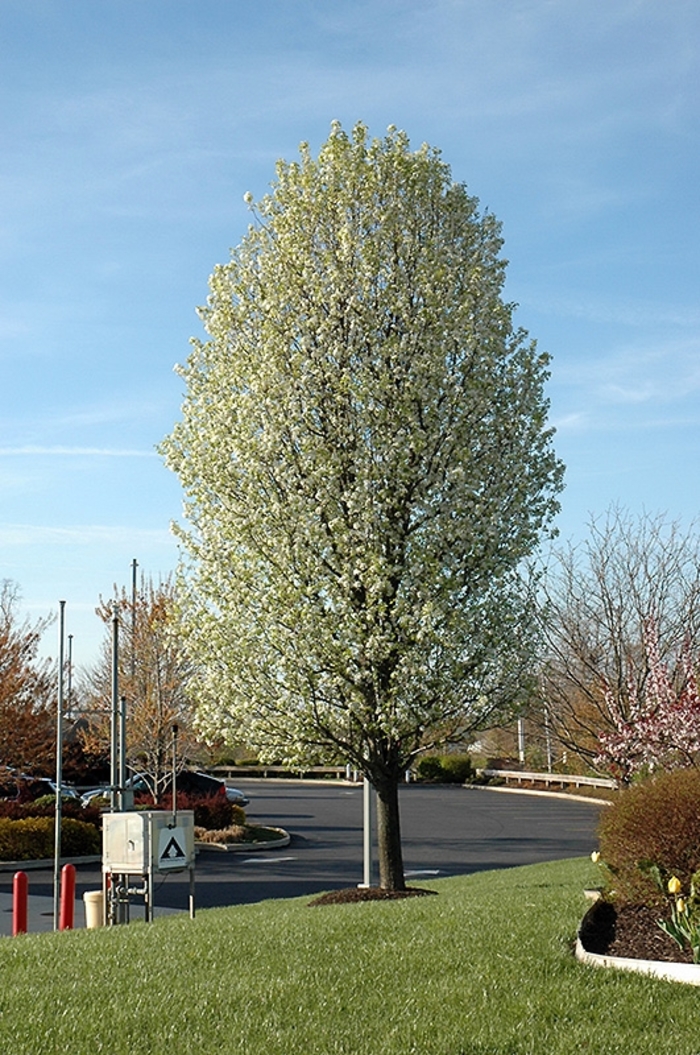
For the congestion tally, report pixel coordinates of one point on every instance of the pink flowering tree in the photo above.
(659, 726)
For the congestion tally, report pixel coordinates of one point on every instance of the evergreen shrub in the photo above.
(445, 769)
(32, 838)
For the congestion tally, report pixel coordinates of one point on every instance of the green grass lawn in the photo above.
(485, 968)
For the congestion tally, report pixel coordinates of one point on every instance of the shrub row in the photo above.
(210, 811)
(46, 806)
(32, 838)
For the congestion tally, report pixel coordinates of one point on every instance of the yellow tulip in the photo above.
(595, 857)
(680, 905)
(674, 885)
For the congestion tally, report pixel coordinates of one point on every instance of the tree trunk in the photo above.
(391, 875)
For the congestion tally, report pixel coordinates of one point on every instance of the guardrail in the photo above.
(338, 772)
(277, 771)
(562, 779)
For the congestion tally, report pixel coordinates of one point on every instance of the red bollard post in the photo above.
(20, 890)
(67, 908)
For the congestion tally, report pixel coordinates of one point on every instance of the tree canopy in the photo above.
(366, 461)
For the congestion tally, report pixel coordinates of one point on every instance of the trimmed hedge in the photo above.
(32, 838)
(657, 822)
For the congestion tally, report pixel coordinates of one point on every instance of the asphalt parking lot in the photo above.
(447, 830)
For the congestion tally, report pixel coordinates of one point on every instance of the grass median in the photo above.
(485, 968)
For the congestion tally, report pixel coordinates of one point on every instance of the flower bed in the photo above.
(630, 939)
(240, 837)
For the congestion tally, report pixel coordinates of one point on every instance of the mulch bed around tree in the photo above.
(630, 931)
(372, 893)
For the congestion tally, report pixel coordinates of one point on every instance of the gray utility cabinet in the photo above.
(143, 843)
(147, 839)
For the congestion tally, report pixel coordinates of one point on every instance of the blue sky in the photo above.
(131, 131)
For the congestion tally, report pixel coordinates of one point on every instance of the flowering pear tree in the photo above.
(659, 726)
(366, 462)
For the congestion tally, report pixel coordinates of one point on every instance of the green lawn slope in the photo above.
(485, 968)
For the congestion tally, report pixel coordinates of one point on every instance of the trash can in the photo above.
(94, 908)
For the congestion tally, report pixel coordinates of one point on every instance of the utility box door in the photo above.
(125, 842)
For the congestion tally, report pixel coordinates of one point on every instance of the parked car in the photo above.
(136, 783)
(27, 788)
(8, 783)
(189, 781)
(67, 790)
(193, 782)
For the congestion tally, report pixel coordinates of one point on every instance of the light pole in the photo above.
(367, 833)
(59, 769)
(114, 731)
(134, 566)
(69, 689)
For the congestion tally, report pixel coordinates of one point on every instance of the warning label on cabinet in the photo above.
(171, 849)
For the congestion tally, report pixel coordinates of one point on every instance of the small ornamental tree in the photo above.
(27, 691)
(659, 727)
(366, 462)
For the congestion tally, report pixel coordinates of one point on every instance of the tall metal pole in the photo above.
(175, 732)
(134, 566)
(548, 737)
(69, 688)
(521, 741)
(59, 771)
(122, 752)
(115, 795)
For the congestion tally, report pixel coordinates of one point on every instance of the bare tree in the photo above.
(600, 596)
(153, 675)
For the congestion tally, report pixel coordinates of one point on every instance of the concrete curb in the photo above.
(534, 791)
(47, 862)
(689, 973)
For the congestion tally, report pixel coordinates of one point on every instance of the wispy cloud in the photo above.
(611, 307)
(76, 452)
(662, 373)
(590, 423)
(575, 422)
(82, 535)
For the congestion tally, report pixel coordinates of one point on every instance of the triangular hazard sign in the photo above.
(172, 851)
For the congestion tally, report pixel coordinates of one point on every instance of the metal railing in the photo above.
(277, 771)
(562, 779)
(339, 772)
